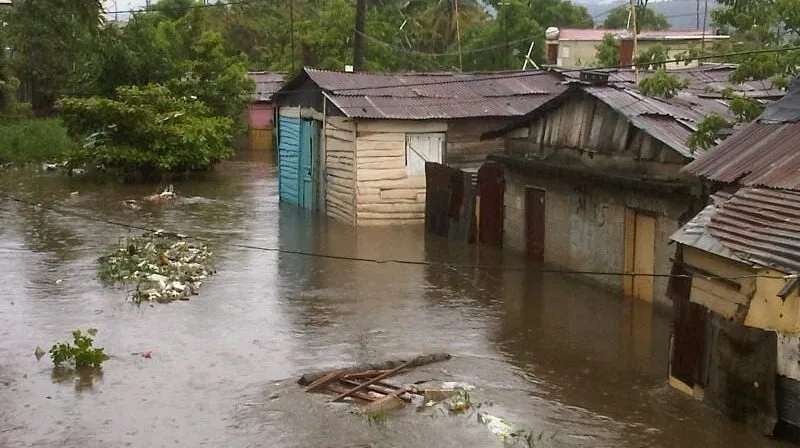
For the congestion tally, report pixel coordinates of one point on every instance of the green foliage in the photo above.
(745, 109)
(607, 54)
(663, 84)
(33, 140)
(706, 134)
(51, 41)
(653, 57)
(80, 352)
(761, 25)
(146, 130)
(646, 19)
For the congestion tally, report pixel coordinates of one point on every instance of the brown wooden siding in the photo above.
(340, 152)
(464, 147)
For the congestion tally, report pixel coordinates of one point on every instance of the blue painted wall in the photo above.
(289, 160)
(297, 143)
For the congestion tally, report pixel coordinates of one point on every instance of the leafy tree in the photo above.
(558, 13)
(663, 84)
(607, 54)
(51, 41)
(653, 57)
(706, 134)
(145, 132)
(509, 37)
(646, 19)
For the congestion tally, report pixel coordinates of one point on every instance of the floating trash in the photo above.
(164, 267)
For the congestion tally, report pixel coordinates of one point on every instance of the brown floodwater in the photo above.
(550, 354)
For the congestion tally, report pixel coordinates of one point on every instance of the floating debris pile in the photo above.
(162, 266)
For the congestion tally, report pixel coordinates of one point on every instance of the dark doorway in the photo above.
(534, 223)
(491, 185)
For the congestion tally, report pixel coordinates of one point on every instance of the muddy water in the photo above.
(576, 366)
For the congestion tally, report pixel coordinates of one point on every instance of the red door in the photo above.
(534, 223)
(491, 187)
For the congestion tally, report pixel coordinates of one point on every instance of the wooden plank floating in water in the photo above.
(422, 360)
(366, 383)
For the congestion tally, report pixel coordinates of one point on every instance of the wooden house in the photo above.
(737, 302)
(592, 182)
(354, 145)
(260, 114)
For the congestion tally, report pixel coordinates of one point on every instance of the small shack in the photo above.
(592, 183)
(261, 113)
(737, 306)
(354, 145)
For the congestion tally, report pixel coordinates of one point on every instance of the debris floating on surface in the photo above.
(163, 267)
(366, 383)
(362, 369)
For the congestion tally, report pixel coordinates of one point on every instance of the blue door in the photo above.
(308, 143)
(289, 159)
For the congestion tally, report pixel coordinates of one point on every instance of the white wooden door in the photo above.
(421, 148)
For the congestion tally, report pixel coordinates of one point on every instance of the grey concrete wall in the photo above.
(585, 226)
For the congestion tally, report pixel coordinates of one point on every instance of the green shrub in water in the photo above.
(35, 140)
(81, 352)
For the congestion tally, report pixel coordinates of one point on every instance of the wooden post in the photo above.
(634, 3)
(359, 52)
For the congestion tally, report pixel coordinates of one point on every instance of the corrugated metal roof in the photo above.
(760, 153)
(413, 96)
(669, 121)
(705, 81)
(267, 83)
(756, 225)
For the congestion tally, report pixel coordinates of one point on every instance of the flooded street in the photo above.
(558, 357)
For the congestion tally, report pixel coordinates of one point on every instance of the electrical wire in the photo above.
(432, 264)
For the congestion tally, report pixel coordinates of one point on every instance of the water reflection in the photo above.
(83, 378)
(552, 354)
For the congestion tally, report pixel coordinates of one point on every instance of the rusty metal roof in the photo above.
(705, 81)
(267, 83)
(422, 96)
(762, 153)
(670, 121)
(759, 226)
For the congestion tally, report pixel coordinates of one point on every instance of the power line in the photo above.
(451, 266)
(515, 74)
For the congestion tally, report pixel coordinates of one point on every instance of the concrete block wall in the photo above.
(585, 226)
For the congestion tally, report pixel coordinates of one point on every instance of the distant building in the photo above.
(261, 113)
(572, 47)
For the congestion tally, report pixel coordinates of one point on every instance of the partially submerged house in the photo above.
(261, 112)
(593, 182)
(354, 145)
(737, 304)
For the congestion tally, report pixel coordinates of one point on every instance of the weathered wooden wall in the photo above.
(464, 146)
(589, 132)
(340, 146)
(385, 194)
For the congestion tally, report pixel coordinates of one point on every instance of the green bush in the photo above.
(33, 140)
(81, 351)
(146, 130)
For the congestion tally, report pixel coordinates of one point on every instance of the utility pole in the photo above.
(291, 29)
(698, 15)
(358, 42)
(458, 36)
(634, 3)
